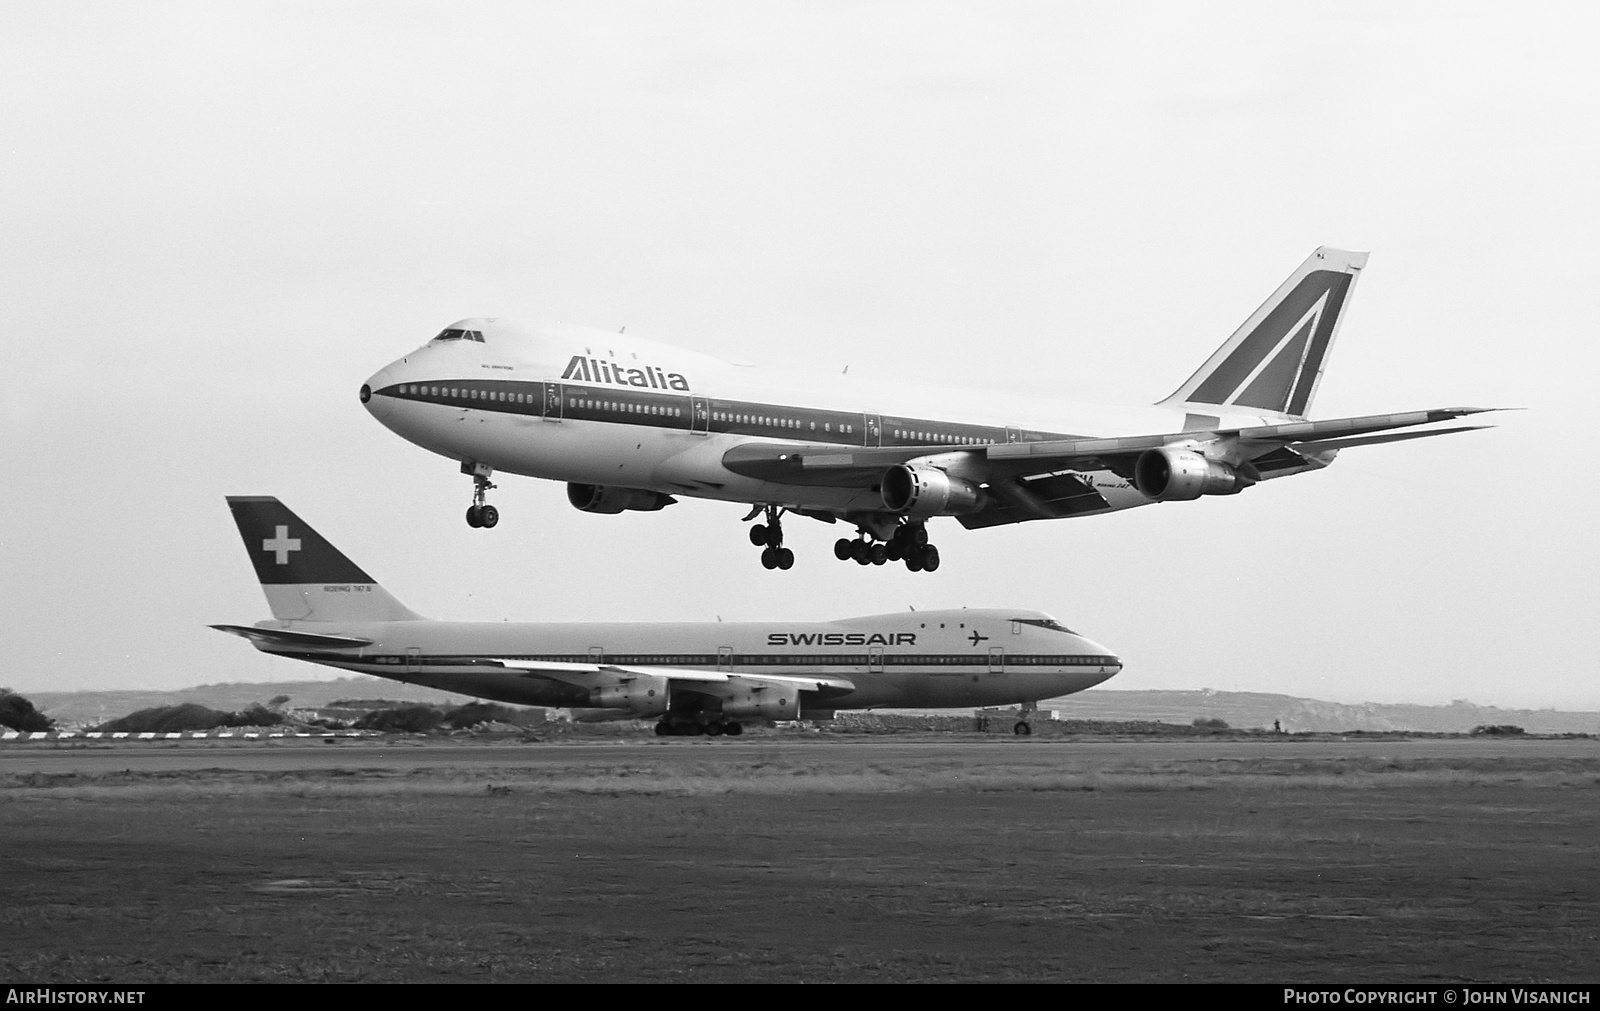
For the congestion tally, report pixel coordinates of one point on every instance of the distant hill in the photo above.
(1237, 709)
(72, 709)
(1260, 709)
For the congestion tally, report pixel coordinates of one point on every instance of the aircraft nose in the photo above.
(376, 404)
(1111, 663)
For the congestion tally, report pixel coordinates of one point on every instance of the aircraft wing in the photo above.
(593, 675)
(1041, 480)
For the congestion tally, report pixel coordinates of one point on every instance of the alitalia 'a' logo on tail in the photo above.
(1274, 361)
(598, 370)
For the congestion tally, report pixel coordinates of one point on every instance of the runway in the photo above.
(1056, 755)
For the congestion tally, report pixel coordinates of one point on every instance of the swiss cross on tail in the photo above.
(306, 557)
(281, 544)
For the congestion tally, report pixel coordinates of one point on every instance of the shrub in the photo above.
(18, 713)
(1498, 730)
(1210, 724)
(168, 719)
(407, 719)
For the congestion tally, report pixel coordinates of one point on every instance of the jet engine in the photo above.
(763, 704)
(1178, 475)
(926, 491)
(600, 498)
(644, 696)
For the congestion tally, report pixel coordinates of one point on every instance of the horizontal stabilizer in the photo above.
(285, 637)
(1319, 445)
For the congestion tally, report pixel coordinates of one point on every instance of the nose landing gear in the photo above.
(480, 514)
(769, 537)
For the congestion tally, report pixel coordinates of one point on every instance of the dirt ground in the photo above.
(749, 868)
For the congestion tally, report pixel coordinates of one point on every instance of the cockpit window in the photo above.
(459, 335)
(1049, 623)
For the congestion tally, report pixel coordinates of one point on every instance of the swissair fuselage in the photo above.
(933, 659)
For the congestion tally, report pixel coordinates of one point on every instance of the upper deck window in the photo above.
(1049, 623)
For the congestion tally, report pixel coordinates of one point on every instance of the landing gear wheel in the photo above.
(878, 554)
(663, 729)
(480, 514)
(914, 561)
(733, 729)
(714, 729)
(842, 548)
(768, 537)
(930, 558)
(1022, 729)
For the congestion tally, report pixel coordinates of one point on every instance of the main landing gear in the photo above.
(908, 543)
(1023, 727)
(480, 513)
(692, 728)
(769, 537)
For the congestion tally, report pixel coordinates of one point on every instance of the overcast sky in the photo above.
(219, 219)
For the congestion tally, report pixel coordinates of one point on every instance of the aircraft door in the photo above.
(597, 654)
(875, 659)
(871, 430)
(700, 420)
(725, 659)
(997, 660)
(1013, 433)
(552, 401)
(413, 660)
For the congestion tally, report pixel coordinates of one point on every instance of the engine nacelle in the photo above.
(927, 491)
(765, 703)
(642, 696)
(600, 498)
(1178, 475)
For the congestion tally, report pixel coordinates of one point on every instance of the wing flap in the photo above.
(592, 675)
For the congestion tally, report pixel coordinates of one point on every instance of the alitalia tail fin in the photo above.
(1274, 362)
(304, 577)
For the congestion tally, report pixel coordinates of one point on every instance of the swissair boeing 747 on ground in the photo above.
(629, 424)
(691, 678)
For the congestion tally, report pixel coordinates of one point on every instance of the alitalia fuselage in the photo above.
(596, 408)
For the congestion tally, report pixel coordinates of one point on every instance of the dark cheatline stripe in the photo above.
(679, 412)
(711, 662)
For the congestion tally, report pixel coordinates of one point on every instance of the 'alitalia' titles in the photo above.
(598, 370)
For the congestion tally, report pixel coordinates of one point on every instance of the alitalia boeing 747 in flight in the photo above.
(691, 678)
(630, 424)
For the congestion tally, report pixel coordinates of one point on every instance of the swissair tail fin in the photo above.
(1274, 361)
(304, 577)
